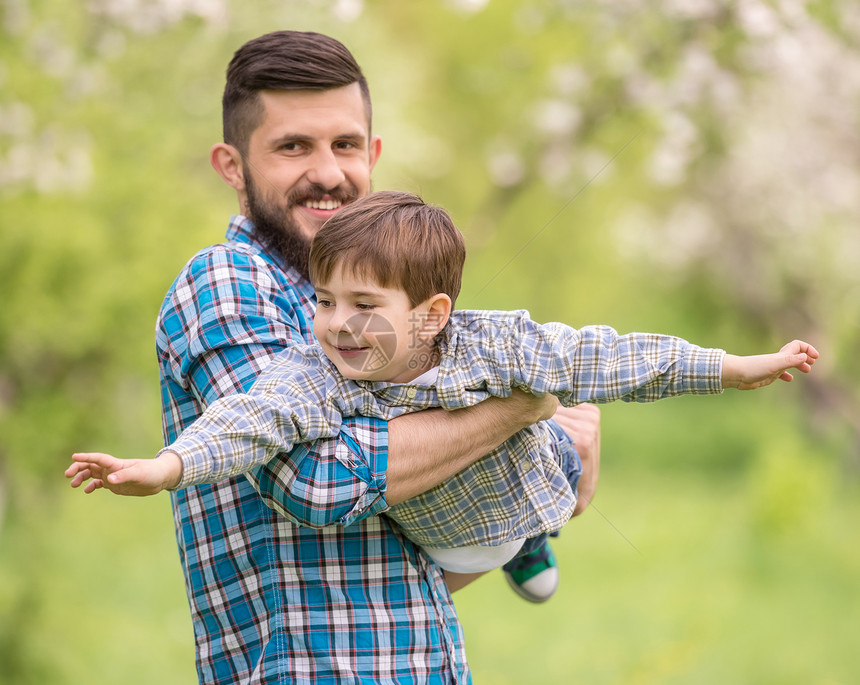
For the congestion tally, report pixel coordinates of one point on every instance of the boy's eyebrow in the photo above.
(351, 293)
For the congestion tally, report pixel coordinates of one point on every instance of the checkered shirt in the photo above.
(271, 601)
(517, 491)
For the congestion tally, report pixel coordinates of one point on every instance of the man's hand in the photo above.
(582, 424)
(749, 373)
(135, 477)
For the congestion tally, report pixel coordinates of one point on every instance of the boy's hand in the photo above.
(749, 373)
(136, 477)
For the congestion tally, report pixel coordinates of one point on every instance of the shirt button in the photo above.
(411, 392)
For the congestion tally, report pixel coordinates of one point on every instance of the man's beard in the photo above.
(275, 226)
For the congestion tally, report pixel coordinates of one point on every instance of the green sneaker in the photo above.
(534, 576)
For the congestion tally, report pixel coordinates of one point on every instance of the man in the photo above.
(335, 593)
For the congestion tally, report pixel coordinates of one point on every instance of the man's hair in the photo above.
(396, 240)
(283, 60)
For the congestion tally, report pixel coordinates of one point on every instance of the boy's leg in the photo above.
(533, 573)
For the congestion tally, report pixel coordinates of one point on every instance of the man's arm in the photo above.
(231, 315)
(427, 448)
(582, 425)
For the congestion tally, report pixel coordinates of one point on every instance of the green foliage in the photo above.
(788, 485)
(672, 582)
(539, 124)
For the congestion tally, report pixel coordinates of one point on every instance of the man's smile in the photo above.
(322, 204)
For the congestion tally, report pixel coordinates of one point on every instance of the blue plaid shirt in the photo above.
(273, 602)
(515, 492)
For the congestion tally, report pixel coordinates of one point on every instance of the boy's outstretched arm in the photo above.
(749, 373)
(135, 477)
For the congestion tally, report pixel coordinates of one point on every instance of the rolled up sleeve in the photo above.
(231, 317)
(330, 482)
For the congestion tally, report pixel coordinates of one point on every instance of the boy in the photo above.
(387, 271)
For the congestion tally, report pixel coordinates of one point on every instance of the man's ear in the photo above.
(437, 311)
(227, 161)
(374, 150)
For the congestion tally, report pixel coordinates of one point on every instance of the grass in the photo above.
(706, 597)
(699, 587)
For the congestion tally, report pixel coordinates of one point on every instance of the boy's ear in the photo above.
(437, 309)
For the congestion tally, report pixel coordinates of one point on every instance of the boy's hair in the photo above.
(283, 60)
(395, 239)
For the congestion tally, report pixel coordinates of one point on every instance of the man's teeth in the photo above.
(322, 204)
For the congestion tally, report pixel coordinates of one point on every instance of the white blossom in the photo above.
(150, 16)
(347, 10)
(469, 6)
(505, 166)
(554, 117)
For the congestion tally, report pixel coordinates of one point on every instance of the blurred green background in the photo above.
(688, 166)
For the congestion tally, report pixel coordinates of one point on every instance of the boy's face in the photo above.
(370, 332)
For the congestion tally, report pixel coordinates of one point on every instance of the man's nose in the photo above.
(325, 170)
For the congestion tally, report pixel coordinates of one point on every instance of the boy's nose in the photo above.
(338, 321)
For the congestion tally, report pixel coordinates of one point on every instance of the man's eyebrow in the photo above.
(289, 138)
(354, 138)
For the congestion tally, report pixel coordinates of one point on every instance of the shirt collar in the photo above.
(242, 230)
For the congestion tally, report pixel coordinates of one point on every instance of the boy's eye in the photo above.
(363, 306)
(324, 303)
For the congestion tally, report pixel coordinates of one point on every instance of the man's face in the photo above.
(310, 155)
(368, 331)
